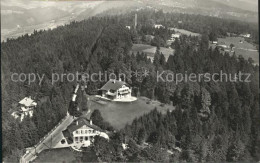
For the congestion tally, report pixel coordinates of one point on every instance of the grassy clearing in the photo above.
(150, 50)
(245, 49)
(119, 114)
(62, 155)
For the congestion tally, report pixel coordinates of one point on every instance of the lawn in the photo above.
(66, 155)
(150, 50)
(245, 49)
(118, 114)
(59, 155)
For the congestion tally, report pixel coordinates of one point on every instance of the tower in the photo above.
(135, 21)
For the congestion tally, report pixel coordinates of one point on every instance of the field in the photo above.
(150, 50)
(119, 114)
(245, 49)
(66, 155)
(62, 155)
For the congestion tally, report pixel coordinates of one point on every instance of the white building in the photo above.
(27, 107)
(129, 27)
(176, 35)
(115, 90)
(158, 26)
(246, 35)
(81, 132)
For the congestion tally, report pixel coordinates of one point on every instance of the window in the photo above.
(86, 138)
(86, 131)
(76, 139)
(81, 131)
(77, 132)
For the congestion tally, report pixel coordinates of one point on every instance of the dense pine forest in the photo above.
(213, 121)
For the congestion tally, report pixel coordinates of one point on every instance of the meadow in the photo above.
(57, 155)
(118, 114)
(242, 47)
(150, 50)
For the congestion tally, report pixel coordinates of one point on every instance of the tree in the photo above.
(231, 46)
(141, 136)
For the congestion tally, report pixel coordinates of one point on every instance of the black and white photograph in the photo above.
(169, 81)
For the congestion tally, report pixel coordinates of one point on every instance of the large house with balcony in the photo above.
(116, 90)
(81, 132)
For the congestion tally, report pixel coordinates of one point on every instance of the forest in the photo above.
(212, 121)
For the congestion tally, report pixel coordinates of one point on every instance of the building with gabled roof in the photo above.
(27, 103)
(115, 90)
(82, 132)
(27, 106)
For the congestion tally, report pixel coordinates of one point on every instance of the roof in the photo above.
(81, 122)
(113, 85)
(27, 101)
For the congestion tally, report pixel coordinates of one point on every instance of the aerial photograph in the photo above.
(169, 81)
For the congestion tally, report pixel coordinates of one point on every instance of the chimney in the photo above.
(90, 122)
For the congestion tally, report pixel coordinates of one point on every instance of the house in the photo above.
(116, 90)
(129, 27)
(246, 35)
(27, 106)
(158, 26)
(81, 132)
(169, 42)
(176, 35)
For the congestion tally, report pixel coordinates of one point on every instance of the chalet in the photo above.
(176, 35)
(116, 90)
(81, 132)
(158, 26)
(245, 35)
(128, 27)
(27, 106)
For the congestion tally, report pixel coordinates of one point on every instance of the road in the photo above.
(48, 142)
